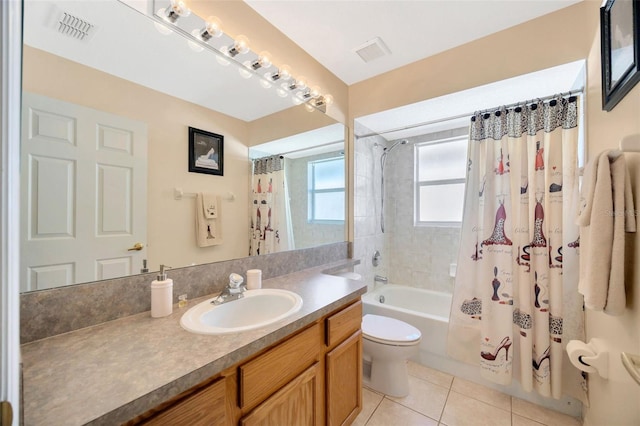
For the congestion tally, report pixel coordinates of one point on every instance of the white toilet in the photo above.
(387, 344)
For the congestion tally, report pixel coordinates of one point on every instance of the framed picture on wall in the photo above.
(206, 152)
(620, 48)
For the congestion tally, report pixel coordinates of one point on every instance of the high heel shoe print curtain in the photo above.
(271, 229)
(515, 302)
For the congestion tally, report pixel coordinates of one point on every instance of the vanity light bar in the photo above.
(200, 36)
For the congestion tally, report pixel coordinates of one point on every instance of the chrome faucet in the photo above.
(380, 279)
(233, 291)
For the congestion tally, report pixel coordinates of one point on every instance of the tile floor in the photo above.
(437, 398)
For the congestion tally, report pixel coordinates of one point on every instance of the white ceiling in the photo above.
(330, 30)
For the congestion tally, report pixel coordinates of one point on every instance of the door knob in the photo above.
(136, 247)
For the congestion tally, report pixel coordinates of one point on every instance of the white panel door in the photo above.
(84, 180)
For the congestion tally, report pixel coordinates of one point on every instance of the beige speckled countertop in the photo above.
(112, 372)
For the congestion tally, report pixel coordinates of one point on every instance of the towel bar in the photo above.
(179, 194)
(630, 143)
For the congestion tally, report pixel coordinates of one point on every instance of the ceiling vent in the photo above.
(373, 49)
(75, 27)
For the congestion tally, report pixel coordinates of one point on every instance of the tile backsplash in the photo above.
(47, 313)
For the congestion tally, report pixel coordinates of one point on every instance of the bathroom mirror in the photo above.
(314, 184)
(132, 90)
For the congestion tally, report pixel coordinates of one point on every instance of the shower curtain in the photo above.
(271, 229)
(516, 303)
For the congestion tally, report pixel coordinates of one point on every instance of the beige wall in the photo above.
(170, 226)
(554, 39)
(615, 401)
(564, 36)
(286, 123)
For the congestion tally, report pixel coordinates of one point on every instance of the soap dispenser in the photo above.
(162, 294)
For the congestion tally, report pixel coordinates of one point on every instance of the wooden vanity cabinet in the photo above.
(311, 378)
(344, 366)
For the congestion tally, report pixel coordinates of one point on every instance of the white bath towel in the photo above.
(208, 220)
(606, 212)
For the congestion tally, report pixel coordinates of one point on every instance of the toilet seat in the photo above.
(389, 331)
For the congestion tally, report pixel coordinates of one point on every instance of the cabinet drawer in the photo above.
(343, 324)
(298, 403)
(204, 408)
(262, 376)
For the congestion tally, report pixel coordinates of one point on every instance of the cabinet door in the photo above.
(204, 408)
(344, 381)
(298, 403)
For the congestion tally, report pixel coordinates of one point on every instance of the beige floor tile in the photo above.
(429, 374)
(542, 415)
(517, 420)
(371, 389)
(483, 393)
(370, 401)
(462, 410)
(425, 397)
(389, 413)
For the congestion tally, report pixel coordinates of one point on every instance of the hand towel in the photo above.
(208, 220)
(606, 212)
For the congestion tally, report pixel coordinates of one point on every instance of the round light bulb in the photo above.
(176, 9)
(281, 92)
(213, 27)
(301, 83)
(264, 59)
(315, 92)
(328, 99)
(241, 44)
(285, 72)
(296, 100)
(309, 107)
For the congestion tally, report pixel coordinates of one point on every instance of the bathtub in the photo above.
(427, 310)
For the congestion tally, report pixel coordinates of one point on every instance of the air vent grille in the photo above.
(372, 49)
(75, 27)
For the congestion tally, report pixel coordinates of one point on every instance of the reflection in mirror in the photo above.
(105, 144)
(298, 191)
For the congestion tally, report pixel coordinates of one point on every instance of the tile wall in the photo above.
(418, 256)
(368, 236)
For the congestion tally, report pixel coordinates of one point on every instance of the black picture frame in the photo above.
(620, 48)
(206, 152)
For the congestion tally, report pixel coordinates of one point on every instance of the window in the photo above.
(326, 190)
(440, 179)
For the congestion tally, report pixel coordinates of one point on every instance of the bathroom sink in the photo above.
(256, 309)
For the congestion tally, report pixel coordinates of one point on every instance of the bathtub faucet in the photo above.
(380, 279)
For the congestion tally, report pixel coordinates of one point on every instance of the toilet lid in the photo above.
(389, 330)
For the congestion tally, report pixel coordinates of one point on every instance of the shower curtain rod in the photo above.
(579, 91)
(307, 149)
